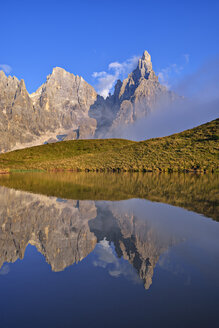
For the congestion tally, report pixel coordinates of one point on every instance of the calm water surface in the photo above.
(109, 250)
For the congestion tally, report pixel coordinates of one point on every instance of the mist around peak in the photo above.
(198, 103)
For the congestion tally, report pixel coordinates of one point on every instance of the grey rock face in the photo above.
(65, 98)
(133, 98)
(67, 105)
(59, 106)
(16, 112)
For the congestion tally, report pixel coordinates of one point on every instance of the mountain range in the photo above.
(66, 107)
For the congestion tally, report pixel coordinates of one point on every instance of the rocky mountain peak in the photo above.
(8, 88)
(21, 92)
(143, 72)
(61, 76)
(8, 80)
(22, 86)
(58, 71)
(144, 69)
(134, 97)
(146, 56)
(2, 75)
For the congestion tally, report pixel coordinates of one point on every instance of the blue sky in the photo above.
(86, 36)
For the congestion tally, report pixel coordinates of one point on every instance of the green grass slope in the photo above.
(191, 150)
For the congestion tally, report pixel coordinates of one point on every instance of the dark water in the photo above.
(89, 250)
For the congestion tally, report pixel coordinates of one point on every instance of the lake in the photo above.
(109, 250)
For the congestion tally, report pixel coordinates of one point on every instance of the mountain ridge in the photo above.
(66, 107)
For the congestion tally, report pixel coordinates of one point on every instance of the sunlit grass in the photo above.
(191, 150)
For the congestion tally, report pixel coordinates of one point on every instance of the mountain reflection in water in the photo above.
(65, 232)
(109, 221)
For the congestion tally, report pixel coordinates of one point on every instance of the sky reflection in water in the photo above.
(96, 263)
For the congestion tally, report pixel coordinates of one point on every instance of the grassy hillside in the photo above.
(195, 149)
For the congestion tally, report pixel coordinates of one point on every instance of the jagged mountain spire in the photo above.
(144, 68)
(133, 98)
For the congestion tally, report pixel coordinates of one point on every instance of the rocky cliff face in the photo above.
(16, 113)
(65, 99)
(59, 107)
(66, 107)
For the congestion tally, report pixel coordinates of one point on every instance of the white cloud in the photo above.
(116, 70)
(107, 259)
(6, 68)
